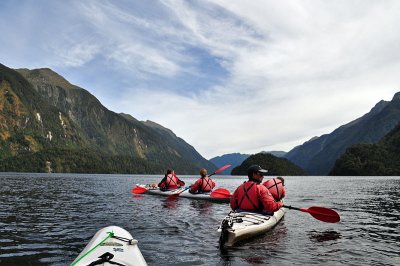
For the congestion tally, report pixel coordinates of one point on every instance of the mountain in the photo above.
(318, 155)
(234, 159)
(275, 166)
(276, 153)
(41, 113)
(380, 159)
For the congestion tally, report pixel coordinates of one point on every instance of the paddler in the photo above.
(253, 196)
(170, 181)
(203, 184)
(277, 187)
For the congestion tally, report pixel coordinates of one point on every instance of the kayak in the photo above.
(110, 246)
(238, 226)
(183, 192)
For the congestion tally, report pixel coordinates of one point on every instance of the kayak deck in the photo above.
(238, 226)
(109, 246)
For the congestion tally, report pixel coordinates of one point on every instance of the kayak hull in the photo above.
(239, 226)
(183, 193)
(122, 247)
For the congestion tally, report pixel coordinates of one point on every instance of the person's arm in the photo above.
(180, 182)
(194, 187)
(283, 193)
(268, 201)
(233, 201)
(212, 184)
(162, 182)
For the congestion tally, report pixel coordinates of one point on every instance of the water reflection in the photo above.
(255, 260)
(202, 206)
(137, 196)
(316, 236)
(170, 202)
(48, 221)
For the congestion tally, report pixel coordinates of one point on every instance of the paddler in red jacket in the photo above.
(277, 187)
(170, 181)
(252, 195)
(203, 184)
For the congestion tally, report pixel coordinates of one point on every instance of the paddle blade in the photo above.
(221, 193)
(175, 195)
(323, 214)
(222, 169)
(139, 190)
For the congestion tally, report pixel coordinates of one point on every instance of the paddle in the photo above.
(139, 190)
(221, 193)
(221, 169)
(186, 188)
(175, 195)
(321, 213)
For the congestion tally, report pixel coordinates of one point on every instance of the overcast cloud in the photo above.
(226, 76)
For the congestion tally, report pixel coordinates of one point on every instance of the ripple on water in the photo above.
(49, 220)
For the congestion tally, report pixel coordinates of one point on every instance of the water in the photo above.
(48, 219)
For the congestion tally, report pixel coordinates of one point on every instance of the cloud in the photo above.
(291, 80)
(226, 76)
(72, 54)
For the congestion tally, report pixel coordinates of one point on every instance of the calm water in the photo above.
(48, 219)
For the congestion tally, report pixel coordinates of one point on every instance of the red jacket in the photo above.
(251, 196)
(170, 182)
(275, 186)
(203, 184)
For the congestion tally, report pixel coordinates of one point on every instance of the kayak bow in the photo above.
(111, 245)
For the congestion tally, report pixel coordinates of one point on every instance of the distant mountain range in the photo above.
(318, 155)
(276, 166)
(236, 159)
(47, 123)
(380, 159)
(44, 118)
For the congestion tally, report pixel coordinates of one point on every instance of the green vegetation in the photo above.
(380, 159)
(44, 118)
(318, 155)
(275, 166)
(78, 161)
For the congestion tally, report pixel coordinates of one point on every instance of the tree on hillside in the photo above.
(275, 166)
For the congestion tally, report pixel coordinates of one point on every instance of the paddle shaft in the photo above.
(294, 208)
(212, 174)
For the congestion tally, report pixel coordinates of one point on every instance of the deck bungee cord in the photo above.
(110, 234)
(106, 257)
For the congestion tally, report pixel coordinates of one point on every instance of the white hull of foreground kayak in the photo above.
(183, 193)
(122, 247)
(238, 226)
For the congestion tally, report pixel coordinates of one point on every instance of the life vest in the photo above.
(247, 197)
(171, 182)
(275, 186)
(206, 184)
(203, 184)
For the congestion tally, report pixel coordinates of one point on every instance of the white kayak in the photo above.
(111, 245)
(237, 226)
(183, 192)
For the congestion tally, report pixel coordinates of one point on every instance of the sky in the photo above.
(226, 76)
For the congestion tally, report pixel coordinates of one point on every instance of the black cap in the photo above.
(255, 168)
